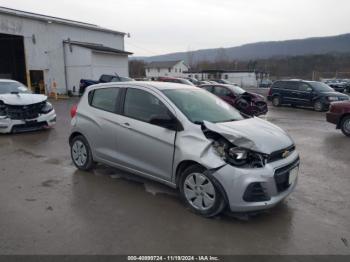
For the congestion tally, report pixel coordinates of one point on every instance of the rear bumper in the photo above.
(44, 121)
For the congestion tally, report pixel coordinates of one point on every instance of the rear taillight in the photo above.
(73, 111)
(270, 91)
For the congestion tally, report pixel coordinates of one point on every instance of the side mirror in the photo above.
(166, 122)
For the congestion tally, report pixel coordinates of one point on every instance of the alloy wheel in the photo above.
(318, 106)
(79, 153)
(346, 126)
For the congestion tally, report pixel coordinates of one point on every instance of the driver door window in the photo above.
(143, 106)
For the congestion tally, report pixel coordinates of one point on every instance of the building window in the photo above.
(169, 70)
(226, 76)
(196, 76)
(180, 70)
(175, 70)
(158, 69)
(190, 76)
(209, 76)
(149, 70)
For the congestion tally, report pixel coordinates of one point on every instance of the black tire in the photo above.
(89, 163)
(318, 106)
(219, 202)
(276, 101)
(345, 126)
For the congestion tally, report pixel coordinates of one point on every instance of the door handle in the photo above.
(127, 125)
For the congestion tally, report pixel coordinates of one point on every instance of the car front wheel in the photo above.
(81, 153)
(276, 101)
(345, 125)
(199, 192)
(318, 106)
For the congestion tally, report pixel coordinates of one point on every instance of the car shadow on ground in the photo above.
(133, 182)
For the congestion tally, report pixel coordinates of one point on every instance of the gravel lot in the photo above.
(48, 207)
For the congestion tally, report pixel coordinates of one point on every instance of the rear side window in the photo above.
(143, 106)
(291, 85)
(105, 99)
(221, 91)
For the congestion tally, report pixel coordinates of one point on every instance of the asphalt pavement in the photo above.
(48, 207)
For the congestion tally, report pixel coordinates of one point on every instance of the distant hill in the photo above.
(262, 50)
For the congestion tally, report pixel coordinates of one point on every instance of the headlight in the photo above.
(47, 108)
(333, 98)
(238, 156)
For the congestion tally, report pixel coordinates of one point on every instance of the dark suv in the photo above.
(304, 93)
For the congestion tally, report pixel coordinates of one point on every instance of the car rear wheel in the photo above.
(318, 106)
(199, 192)
(276, 101)
(81, 153)
(345, 125)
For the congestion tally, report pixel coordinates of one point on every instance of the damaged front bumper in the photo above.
(44, 121)
(259, 188)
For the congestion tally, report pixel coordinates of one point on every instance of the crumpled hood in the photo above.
(22, 99)
(254, 134)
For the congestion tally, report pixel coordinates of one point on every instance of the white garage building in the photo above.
(53, 51)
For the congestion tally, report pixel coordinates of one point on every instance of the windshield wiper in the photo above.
(14, 93)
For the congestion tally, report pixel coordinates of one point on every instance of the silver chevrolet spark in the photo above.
(188, 139)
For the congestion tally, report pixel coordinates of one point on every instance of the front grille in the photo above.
(282, 176)
(279, 155)
(30, 126)
(255, 193)
(24, 112)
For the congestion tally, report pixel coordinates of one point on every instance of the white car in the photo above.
(22, 111)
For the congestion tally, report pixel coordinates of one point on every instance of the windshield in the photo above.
(199, 105)
(237, 90)
(321, 87)
(13, 87)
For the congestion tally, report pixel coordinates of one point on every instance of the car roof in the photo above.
(297, 80)
(150, 84)
(8, 81)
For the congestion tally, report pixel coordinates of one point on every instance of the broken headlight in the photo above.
(238, 156)
(47, 108)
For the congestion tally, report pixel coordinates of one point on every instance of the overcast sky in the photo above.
(163, 26)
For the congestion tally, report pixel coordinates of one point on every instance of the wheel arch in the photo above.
(73, 135)
(342, 118)
(182, 166)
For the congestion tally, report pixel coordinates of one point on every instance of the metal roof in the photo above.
(52, 19)
(150, 84)
(163, 64)
(98, 47)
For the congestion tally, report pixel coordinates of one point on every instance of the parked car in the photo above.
(336, 84)
(188, 139)
(224, 82)
(84, 83)
(250, 104)
(21, 111)
(339, 114)
(304, 93)
(265, 83)
(175, 80)
(194, 81)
